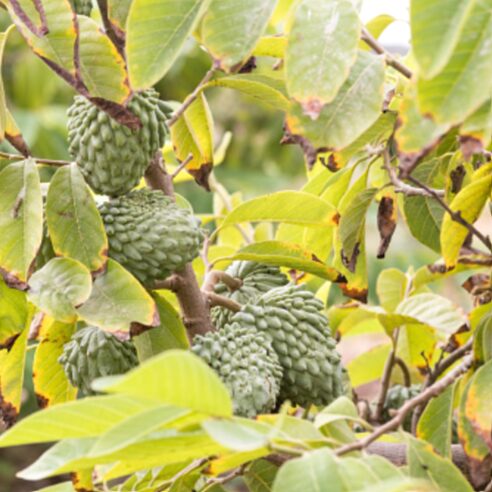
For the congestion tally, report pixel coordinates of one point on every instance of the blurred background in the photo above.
(255, 162)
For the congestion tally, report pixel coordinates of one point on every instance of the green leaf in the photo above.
(58, 44)
(169, 334)
(118, 300)
(59, 487)
(357, 474)
(88, 417)
(436, 27)
(356, 107)
(321, 48)
(265, 89)
(176, 377)
(51, 384)
(432, 310)
(101, 66)
(353, 221)
(457, 90)
(369, 365)
(424, 215)
(391, 287)
(235, 434)
(118, 12)
(469, 203)
(155, 34)
(424, 463)
(134, 428)
(477, 408)
(285, 254)
(292, 207)
(75, 226)
(273, 46)
(21, 220)
(478, 125)
(13, 313)
(12, 378)
(193, 134)
(436, 422)
(315, 471)
(3, 103)
(260, 475)
(60, 286)
(230, 29)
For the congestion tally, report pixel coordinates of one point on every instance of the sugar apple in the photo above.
(92, 353)
(112, 157)
(299, 332)
(82, 7)
(396, 397)
(257, 279)
(150, 235)
(247, 364)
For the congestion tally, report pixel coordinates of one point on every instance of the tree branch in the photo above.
(215, 276)
(431, 392)
(407, 380)
(367, 37)
(194, 309)
(39, 160)
(192, 97)
(456, 216)
(116, 36)
(182, 166)
(217, 300)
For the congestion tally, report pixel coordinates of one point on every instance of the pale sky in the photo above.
(398, 32)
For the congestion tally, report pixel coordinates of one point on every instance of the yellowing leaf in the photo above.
(193, 134)
(3, 104)
(21, 220)
(469, 203)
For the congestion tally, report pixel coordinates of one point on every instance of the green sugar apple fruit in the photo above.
(396, 397)
(150, 235)
(93, 353)
(291, 317)
(257, 279)
(82, 7)
(247, 364)
(112, 157)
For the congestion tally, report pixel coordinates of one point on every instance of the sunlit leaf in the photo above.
(13, 313)
(369, 365)
(3, 104)
(321, 48)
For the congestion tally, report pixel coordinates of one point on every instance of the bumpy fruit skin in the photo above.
(82, 7)
(93, 353)
(290, 316)
(247, 364)
(257, 279)
(112, 157)
(150, 235)
(396, 397)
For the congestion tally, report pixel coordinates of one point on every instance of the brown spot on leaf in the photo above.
(457, 176)
(137, 329)
(310, 153)
(386, 224)
(8, 412)
(351, 263)
(336, 218)
(43, 402)
(312, 108)
(353, 293)
(9, 342)
(12, 281)
(202, 174)
(17, 141)
(249, 66)
(118, 112)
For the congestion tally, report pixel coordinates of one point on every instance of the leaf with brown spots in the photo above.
(50, 382)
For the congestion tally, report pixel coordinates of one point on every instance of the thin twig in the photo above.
(39, 160)
(194, 465)
(192, 97)
(182, 165)
(407, 380)
(172, 283)
(368, 38)
(215, 276)
(217, 300)
(432, 391)
(237, 472)
(456, 216)
(402, 187)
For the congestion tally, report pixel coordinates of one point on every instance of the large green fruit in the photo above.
(112, 157)
(257, 279)
(396, 397)
(82, 7)
(247, 364)
(150, 235)
(291, 317)
(93, 353)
